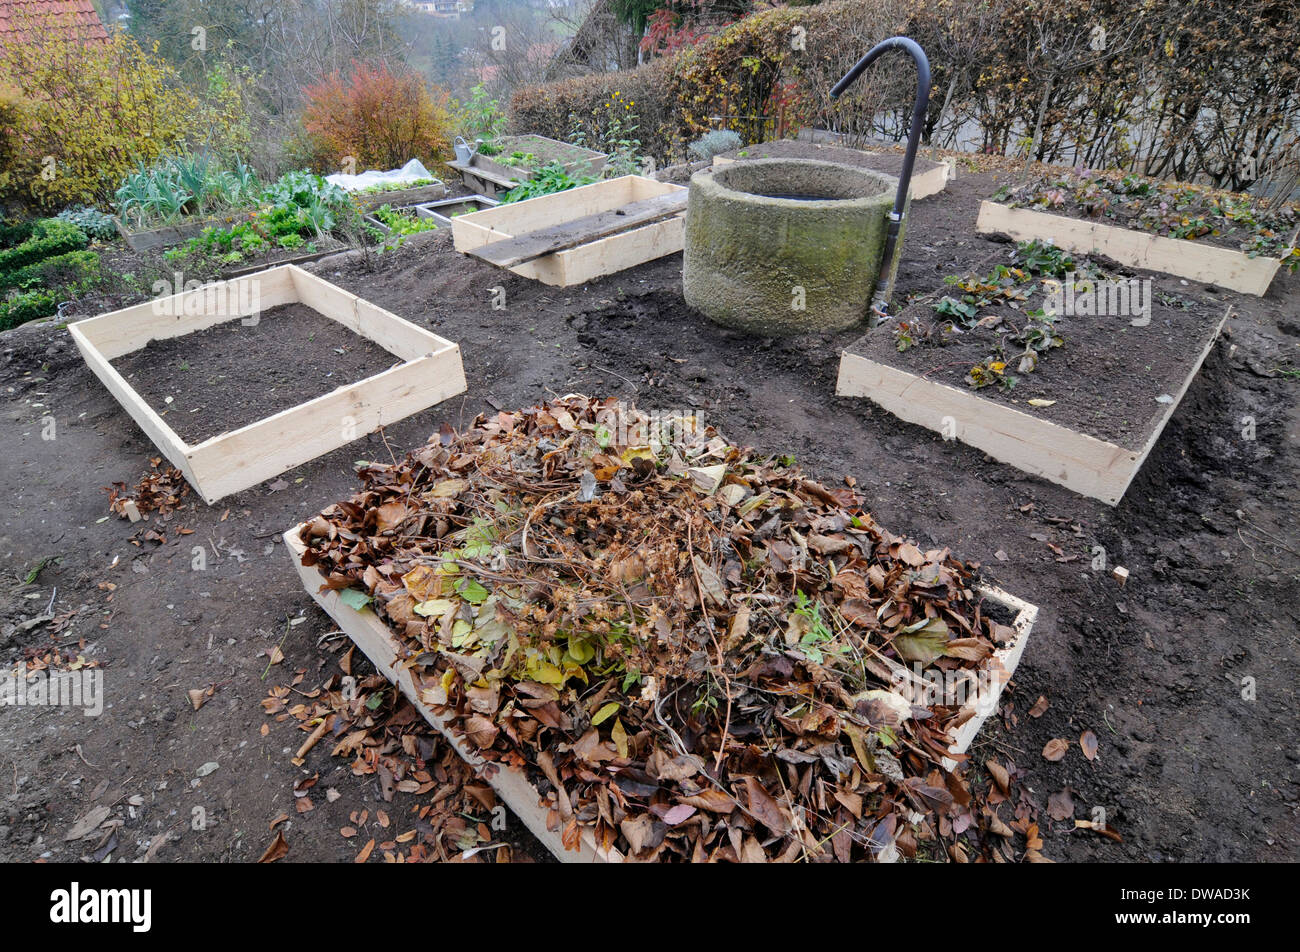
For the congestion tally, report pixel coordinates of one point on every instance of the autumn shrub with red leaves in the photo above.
(378, 117)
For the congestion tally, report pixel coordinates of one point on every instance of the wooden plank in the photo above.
(1002, 665)
(579, 231)
(244, 457)
(159, 433)
(1195, 260)
(619, 252)
(1077, 461)
(121, 332)
(375, 640)
(585, 262)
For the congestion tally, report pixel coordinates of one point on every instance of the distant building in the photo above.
(27, 19)
(447, 9)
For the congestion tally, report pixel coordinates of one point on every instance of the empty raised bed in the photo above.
(655, 647)
(580, 234)
(448, 208)
(226, 447)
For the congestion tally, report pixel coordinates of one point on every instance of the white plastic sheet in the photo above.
(412, 171)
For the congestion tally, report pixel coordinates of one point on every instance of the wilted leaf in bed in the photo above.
(605, 713)
(354, 598)
(764, 808)
(390, 516)
(1060, 805)
(434, 607)
(925, 644)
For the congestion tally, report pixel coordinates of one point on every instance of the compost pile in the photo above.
(694, 653)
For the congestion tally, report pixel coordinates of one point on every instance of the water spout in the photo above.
(880, 305)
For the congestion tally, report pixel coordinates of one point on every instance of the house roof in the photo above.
(21, 19)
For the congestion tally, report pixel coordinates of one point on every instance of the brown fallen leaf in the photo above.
(1088, 743)
(1101, 828)
(1040, 706)
(278, 820)
(1060, 805)
(201, 696)
(1000, 775)
(366, 850)
(1055, 749)
(764, 808)
(277, 850)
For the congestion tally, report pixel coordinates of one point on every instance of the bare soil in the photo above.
(236, 373)
(1187, 675)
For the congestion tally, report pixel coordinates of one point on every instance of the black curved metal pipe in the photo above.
(913, 48)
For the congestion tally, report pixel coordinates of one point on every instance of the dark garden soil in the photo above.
(233, 374)
(1107, 378)
(890, 163)
(1195, 761)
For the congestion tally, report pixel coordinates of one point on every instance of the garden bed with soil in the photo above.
(600, 241)
(444, 211)
(232, 374)
(1191, 231)
(928, 177)
(520, 157)
(1088, 393)
(237, 373)
(401, 197)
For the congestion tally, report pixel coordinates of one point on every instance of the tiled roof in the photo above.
(77, 18)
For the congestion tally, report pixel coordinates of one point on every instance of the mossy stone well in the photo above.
(786, 246)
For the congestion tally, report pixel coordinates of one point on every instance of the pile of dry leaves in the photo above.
(366, 720)
(694, 654)
(159, 490)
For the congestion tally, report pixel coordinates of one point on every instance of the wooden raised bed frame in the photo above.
(588, 261)
(376, 641)
(1194, 260)
(401, 197)
(429, 373)
(166, 236)
(1085, 464)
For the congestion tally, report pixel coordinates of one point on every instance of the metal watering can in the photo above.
(464, 151)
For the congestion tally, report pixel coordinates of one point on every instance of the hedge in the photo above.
(50, 237)
(75, 268)
(1211, 87)
(31, 306)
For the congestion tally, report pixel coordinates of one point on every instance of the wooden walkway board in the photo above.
(580, 231)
